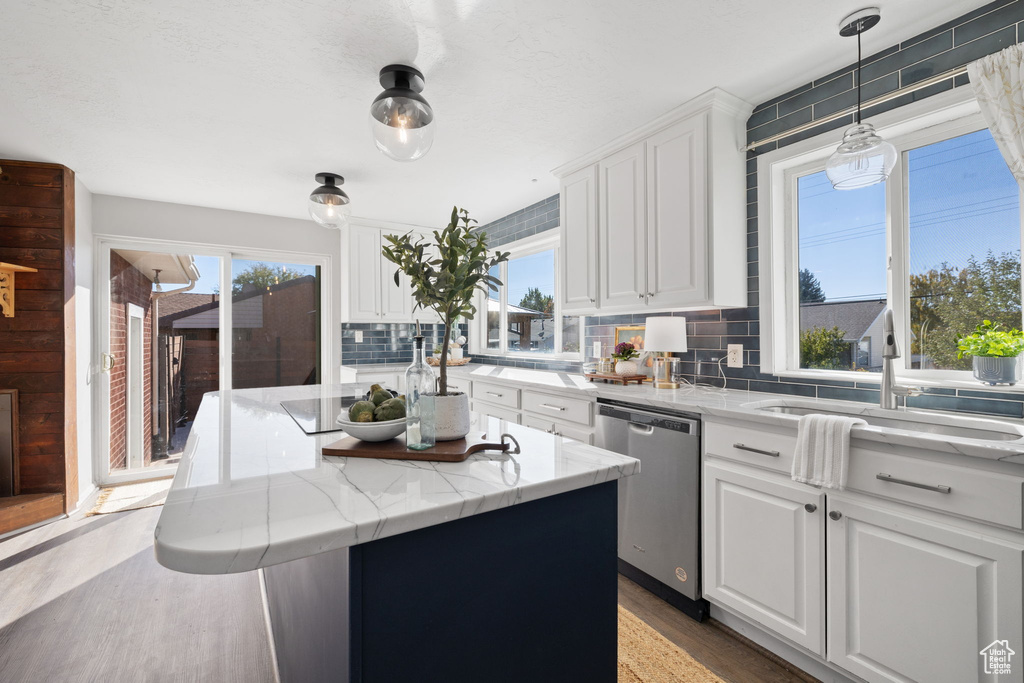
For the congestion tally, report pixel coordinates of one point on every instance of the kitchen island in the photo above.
(498, 568)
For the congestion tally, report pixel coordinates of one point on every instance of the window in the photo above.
(939, 243)
(523, 315)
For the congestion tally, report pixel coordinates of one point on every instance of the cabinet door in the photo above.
(677, 239)
(764, 551)
(396, 301)
(578, 253)
(623, 243)
(364, 275)
(915, 600)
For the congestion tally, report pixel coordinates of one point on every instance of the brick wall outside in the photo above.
(284, 351)
(128, 286)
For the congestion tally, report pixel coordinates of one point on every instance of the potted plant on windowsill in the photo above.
(446, 282)
(996, 353)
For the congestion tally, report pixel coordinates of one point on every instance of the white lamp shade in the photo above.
(665, 334)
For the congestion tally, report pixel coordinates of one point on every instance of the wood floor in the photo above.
(727, 654)
(83, 599)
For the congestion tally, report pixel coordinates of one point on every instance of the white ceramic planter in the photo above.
(451, 416)
(993, 371)
(626, 367)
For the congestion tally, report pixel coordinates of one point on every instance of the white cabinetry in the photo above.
(763, 551)
(556, 413)
(578, 218)
(916, 600)
(916, 587)
(621, 243)
(670, 220)
(389, 379)
(371, 295)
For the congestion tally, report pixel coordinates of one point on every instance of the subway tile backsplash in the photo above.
(978, 33)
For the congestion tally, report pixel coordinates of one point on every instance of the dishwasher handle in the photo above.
(640, 429)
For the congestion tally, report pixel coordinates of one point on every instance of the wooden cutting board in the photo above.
(394, 449)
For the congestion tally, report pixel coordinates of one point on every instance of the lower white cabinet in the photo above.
(764, 551)
(386, 378)
(499, 412)
(910, 599)
(912, 594)
(569, 431)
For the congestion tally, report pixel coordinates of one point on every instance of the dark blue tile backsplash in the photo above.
(978, 33)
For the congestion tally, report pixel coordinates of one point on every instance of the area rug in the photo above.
(144, 494)
(646, 656)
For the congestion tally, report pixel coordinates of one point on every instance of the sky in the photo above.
(209, 271)
(963, 201)
(535, 270)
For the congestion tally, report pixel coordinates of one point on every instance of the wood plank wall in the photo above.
(37, 345)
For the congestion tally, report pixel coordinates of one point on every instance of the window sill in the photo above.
(966, 384)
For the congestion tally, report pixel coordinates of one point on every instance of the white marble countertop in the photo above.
(252, 489)
(748, 405)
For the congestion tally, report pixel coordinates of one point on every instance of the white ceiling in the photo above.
(236, 104)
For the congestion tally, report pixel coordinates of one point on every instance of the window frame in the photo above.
(550, 240)
(938, 118)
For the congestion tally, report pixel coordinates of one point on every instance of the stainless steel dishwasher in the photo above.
(659, 508)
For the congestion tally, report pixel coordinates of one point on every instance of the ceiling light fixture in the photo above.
(401, 119)
(328, 204)
(863, 158)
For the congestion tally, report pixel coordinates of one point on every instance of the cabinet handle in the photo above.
(810, 507)
(650, 295)
(494, 393)
(759, 451)
(593, 300)
(640, 295)
(939, 488)
(552, 407)
(835, 515)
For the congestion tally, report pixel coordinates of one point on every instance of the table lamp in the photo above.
(664, 334)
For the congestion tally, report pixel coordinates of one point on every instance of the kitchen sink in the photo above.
(938, 424)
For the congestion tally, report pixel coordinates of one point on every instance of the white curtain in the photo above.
(998, 82)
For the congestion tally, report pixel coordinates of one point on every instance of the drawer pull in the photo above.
(494, 393)
(759, 451)
(552, 407)
(927, 487)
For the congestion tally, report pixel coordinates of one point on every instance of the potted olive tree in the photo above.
(445, 281)
(996, 353)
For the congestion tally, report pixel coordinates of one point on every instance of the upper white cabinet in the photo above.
(670, 220)
(578, 209)
(371, 295)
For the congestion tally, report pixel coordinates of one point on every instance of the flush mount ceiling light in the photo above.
(863, 158)
(328, 204)
(400, 117)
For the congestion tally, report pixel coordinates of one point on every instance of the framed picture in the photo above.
(634, 334)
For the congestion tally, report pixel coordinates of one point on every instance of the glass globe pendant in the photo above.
(328, 204)
(400, 118)
(863, 158)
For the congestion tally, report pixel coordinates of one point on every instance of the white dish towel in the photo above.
(823, 450)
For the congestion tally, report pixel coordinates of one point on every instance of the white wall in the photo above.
(235, 230)
(83, 337)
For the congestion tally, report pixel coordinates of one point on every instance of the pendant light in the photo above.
(863, 158)
(401, 119)
(328, 204)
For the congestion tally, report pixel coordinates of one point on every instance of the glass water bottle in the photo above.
(420, 387)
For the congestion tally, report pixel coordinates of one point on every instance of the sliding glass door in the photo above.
(168, 336)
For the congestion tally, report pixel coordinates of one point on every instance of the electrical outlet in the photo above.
(597, 349)
(359, 336)
(735, 357)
